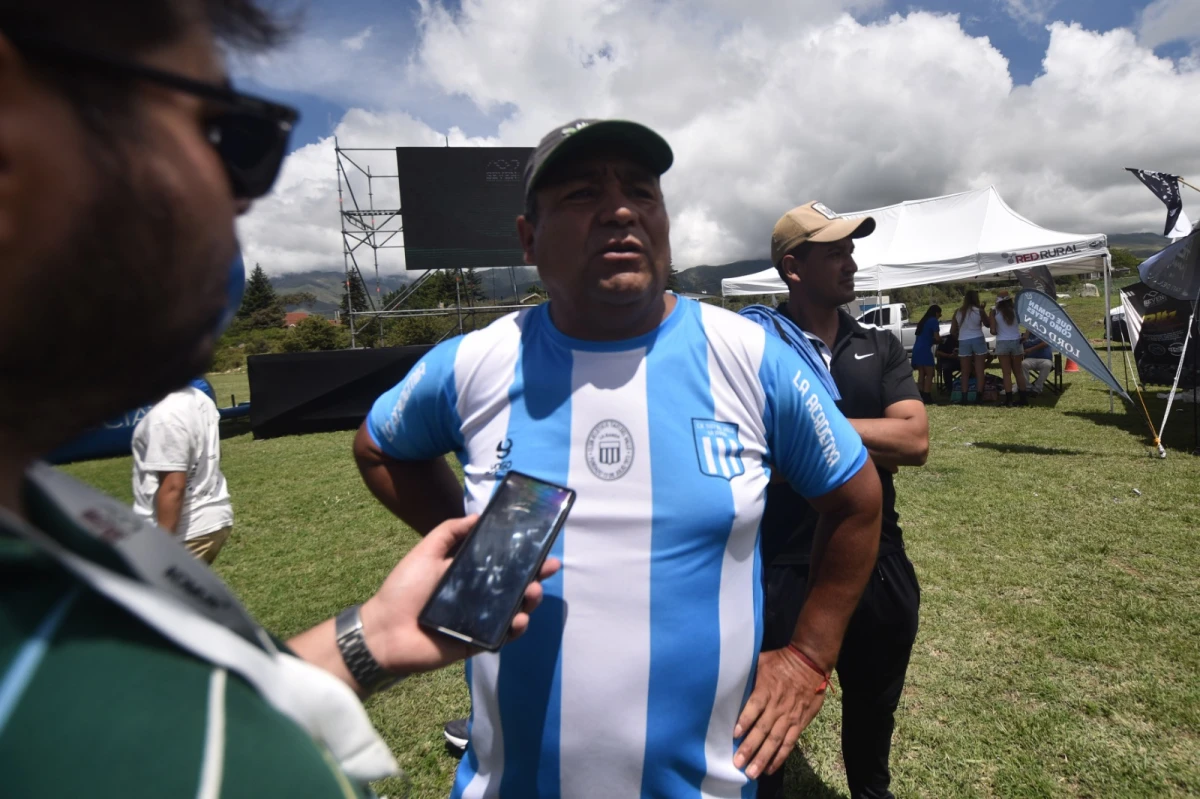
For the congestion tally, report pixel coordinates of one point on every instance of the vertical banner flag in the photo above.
(1037, 278)
(1042, 315)
(1175, 270)
(1166, 188)
(1162, 323)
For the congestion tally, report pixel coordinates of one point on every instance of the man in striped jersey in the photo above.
(127, 668)
(641, 674)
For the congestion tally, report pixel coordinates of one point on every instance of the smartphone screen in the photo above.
(482, 590)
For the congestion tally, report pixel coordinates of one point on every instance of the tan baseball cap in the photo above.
(814, 222)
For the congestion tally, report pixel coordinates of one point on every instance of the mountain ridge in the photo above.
(326, 286)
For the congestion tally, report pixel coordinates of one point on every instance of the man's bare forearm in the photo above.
(845, 545)
(422, 494)
(168, 500)
(899, 439)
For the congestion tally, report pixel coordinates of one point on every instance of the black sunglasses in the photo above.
(250, 135)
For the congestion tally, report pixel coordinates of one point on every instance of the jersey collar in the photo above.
(683, 307)
(847, 328)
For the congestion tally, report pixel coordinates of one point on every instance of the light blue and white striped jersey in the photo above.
(632, 674)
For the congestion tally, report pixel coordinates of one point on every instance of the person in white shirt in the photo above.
(1003, 322)
(177, 480)
(967, 324)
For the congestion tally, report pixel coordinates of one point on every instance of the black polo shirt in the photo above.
(871, 371)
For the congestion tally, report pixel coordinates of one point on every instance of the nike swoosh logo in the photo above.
(858, 357)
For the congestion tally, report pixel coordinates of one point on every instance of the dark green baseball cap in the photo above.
(581, 135)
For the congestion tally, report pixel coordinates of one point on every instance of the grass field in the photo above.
(1059, 651)
(230, 385)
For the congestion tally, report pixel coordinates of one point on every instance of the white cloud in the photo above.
(297, 227)
(1169, 21)
(1029, 13)
(769, 105)
(359, 40)
(362, 70)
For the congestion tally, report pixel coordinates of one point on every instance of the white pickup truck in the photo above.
(893, 317)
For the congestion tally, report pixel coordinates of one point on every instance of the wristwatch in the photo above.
(361, 664)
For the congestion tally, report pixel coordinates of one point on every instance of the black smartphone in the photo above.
(481, 592)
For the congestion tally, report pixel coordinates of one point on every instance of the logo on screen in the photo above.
(718, 448)
(609, 450)
(503, 169)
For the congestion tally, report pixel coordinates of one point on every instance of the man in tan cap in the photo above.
(813, 249)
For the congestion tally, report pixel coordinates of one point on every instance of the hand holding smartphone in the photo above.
(481, 592)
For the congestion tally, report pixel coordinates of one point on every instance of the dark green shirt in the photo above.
(94, 703)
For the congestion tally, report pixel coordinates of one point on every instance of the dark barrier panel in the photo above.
(315, 392)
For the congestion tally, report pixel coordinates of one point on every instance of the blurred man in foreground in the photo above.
(127, 668)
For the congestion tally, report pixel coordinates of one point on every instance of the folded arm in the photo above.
(900, 438)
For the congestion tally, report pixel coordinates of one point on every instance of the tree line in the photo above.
(259, 325)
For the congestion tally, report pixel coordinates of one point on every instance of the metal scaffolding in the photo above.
(379, 230)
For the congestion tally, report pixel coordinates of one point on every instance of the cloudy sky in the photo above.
(859, 103)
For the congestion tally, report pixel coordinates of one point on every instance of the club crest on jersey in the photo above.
(718, 448)
(609, 450)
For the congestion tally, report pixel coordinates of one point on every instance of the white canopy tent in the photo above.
(959, 237)
(972, 235)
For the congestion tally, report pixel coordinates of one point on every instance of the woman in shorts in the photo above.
(1003, 322)
(967, 324)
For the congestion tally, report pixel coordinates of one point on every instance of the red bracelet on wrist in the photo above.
(812, 664)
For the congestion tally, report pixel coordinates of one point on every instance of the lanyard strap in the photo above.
(317, 701)
(150, 553)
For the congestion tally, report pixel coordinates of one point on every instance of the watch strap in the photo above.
(361, 664)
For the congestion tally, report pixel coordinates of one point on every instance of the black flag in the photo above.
(1175, 270)
(1165, 188)
(1037, 278)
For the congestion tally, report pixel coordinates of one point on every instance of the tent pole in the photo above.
(1179, 371)
(1108, 323)
(1195, 393)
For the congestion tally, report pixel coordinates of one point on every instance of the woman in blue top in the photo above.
(922, 355)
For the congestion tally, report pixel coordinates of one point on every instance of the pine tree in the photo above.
(390, 299)
(472, 287)
(260, 306)
(445, 287)
(355, 295)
